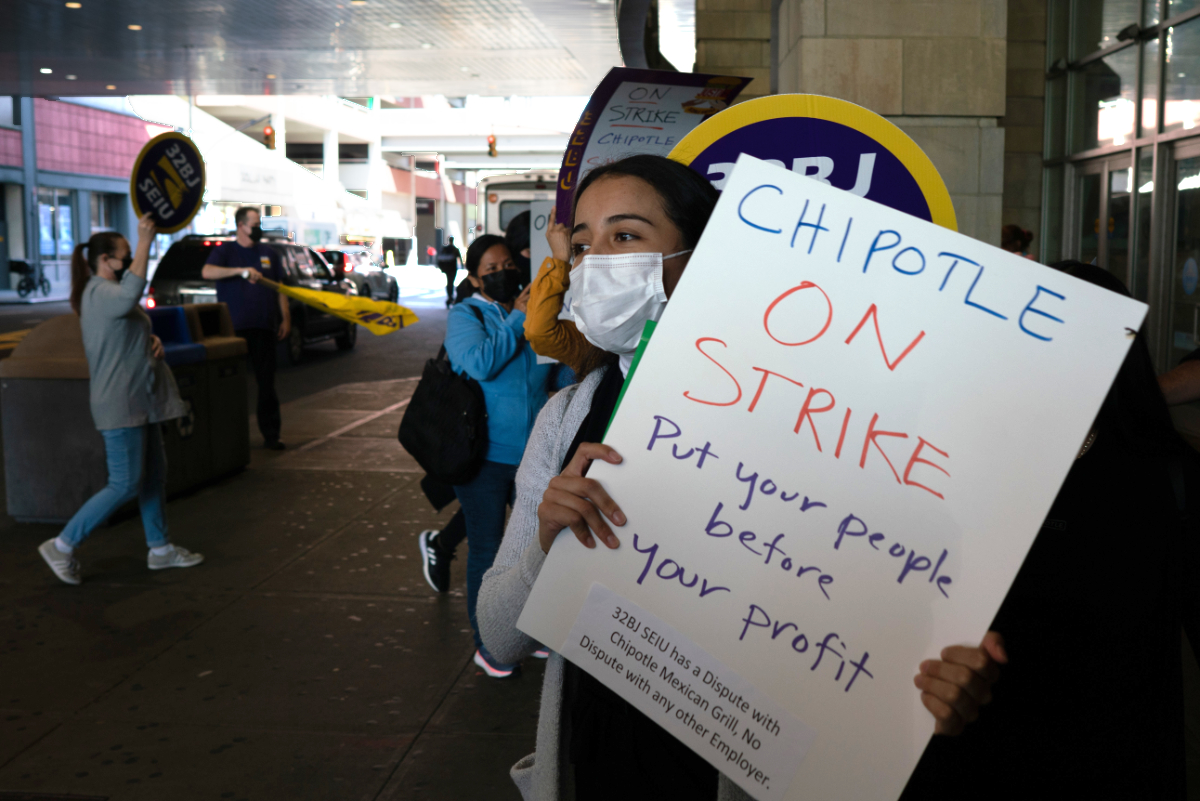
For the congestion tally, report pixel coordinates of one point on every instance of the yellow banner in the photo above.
(377, 316)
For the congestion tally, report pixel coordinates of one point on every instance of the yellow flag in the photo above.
(377, 316)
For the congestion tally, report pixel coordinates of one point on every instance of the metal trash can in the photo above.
(53, 454)
(226, 376)
(189, 456)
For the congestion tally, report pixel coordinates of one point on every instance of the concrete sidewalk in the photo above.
(305, 659)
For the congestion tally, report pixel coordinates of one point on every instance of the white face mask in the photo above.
(614, 296)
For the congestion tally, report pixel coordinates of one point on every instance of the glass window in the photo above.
(319, 268)
(104, 209)
(184, 261)
(1089, 217)
(1103, 95)
(303, 263)
(46, 237)
(1120, 186)
(1053, 179)
(1096, 23)
(64, 228)
(1177, 7)
(1185, 313)
(1056, 123)
(510, 209)
(1149, 122)
(1182, 107)
(56, 232)
(1144, 182)
(1149, 13)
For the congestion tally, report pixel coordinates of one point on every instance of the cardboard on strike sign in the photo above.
(838, 447)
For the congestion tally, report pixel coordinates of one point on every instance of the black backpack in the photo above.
(445, 425)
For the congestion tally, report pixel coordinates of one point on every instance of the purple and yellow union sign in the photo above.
(168, 181)
(826, 139)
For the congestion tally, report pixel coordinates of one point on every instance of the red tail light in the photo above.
(151, 303)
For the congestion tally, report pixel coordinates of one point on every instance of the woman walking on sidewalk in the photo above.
(485, 339)
(132, 392)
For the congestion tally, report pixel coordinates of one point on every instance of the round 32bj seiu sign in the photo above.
(168, 181)
(829, 140)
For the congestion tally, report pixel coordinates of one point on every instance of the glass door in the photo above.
(55, 232)
(1184, 247)
(1104, 194)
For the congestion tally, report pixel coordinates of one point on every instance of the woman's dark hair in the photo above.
(1134, 411)
(516, 236)
(84, 267)
(687, 196)
(1015, 239)
(480, 246)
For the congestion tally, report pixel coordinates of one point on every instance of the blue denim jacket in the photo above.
(495, 353)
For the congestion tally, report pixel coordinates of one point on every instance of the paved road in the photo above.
(399, 355)
(17, 316)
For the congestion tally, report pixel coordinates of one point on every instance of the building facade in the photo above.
(1074, 119)
(64, 175)
(1122, 153)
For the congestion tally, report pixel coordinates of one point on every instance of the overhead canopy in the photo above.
(312, 47)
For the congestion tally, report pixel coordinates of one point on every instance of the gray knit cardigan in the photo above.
(544, 775)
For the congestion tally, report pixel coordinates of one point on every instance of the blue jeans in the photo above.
(483, 500)
(137, 468)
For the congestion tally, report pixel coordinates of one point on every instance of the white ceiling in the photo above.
(311, 47)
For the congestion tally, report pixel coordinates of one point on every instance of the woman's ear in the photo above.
(475, 282)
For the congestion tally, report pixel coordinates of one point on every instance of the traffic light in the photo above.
(269, 137)
(492, 145)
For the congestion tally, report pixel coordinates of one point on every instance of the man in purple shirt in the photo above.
(260, 315)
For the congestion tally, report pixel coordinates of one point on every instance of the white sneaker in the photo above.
(63, 564)
(178, 556)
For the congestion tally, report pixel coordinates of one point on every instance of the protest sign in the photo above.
(836, 456)
(539, 219)
(168, 181)
(826, 139)
(639, 111)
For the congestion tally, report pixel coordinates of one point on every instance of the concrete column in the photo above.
(375, 163)
(1023, 117)
(329, 154)
(936, 68)
(733, 37)
(33, 253)
(81, 214)
(15, 215)
(279, 123)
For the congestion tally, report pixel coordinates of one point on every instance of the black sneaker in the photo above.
(274, 445)
(437, 562)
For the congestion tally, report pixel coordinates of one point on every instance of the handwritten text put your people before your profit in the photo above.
(911, 460)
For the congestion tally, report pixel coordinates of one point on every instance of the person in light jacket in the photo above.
(132, 391)
(485, 339)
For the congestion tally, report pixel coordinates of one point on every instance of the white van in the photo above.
(502, 197)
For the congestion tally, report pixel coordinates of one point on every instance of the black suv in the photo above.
(177, 281)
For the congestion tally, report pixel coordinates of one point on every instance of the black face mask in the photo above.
(125, 262)
(502, 286)
(256, 234)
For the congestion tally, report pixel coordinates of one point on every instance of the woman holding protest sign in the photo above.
(132, 392)
(636, 221)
